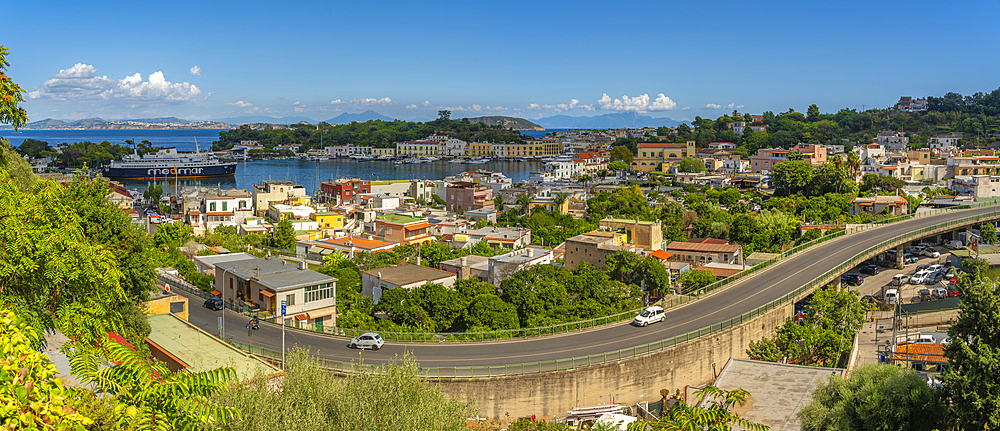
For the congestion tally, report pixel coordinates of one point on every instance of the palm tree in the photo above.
(498, 201)
(717, 416)
(559, 199)
(854, 163)
(524, 201)
(150, 396)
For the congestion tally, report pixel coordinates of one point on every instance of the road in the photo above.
(732, 301)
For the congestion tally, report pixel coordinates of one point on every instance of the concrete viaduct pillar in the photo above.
(899, 256)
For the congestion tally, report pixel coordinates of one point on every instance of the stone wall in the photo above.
(550, 395)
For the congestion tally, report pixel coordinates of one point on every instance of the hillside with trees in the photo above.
(375, 133)
(974, 115)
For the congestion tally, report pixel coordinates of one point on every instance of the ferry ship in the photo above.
(169, 163)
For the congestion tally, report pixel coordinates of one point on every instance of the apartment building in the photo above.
(309, 296)
(649, 154)
(342, 190)
(402, 229)
(467, 196)
(226, 208)
(274, 191)
(701, 251)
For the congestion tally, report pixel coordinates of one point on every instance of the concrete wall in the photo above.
(550, 395)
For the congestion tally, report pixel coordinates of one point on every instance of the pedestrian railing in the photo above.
(599, 321)
(658, 346)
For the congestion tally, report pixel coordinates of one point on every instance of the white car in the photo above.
(929, 252)
(368, 340)
(920, 277)
(935, 268)
(649, 315)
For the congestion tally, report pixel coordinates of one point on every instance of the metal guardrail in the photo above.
(595, 322)
(659, 346)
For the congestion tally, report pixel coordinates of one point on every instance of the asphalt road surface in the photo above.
(732, 301)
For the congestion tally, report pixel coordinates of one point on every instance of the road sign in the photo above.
(219, 320)
(283, 304)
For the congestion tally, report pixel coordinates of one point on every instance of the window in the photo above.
(388, 230)
(211, 206)
(319, 292)
(224, 206)
(290, 299)
(243, 204)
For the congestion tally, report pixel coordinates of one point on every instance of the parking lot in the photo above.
(876, 285)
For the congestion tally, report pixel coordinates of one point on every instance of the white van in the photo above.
(926, 338)
(891, 296)
(953, 244)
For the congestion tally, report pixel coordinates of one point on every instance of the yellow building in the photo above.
(168, 303)
(479, 149)
(384, 152)
(651, 154)
(419, 148)
(546, 147)
(550, 204)
(299, 200)
(328, 219)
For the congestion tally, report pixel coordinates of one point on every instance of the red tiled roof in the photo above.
(703, 247)
(708, 241)
(661, 255)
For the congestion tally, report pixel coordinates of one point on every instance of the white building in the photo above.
(892, 140)
(945, 143)
(226, 208)
(455, 147)
(564, 169)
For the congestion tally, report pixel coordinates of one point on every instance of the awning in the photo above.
(315, 249)
(267, 293)
(417, 226)
(301, 316)
(326, 251)
(321, 312)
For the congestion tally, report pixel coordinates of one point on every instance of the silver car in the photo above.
(368, 340)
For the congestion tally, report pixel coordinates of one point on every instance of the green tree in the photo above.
(153, 193)
(988, 231)
(444, 115)
(32, 397)
(392, 396)
(695, 279)
(791, 177)
(19, 170)
(875, 397)
(623, 154)
(284, 235)
(488, 312)
(149, 395)
(713, 410)
(970, 379)
(691, 164)
(826, 330)
(498, 201)
(618, 165)
(11, 95)
(764, 350)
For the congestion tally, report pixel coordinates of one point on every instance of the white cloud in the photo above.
(81, 82)
(336, 102)
(296, 103)
(717, 106)
(640, 103)
(372, 101)
(475, 108)
(196, 71)
(240, 104)
(427, 103)
(411, 106)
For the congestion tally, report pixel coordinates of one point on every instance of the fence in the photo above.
(662, 345)
(600, 321)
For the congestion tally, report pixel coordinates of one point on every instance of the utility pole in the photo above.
(283, 304)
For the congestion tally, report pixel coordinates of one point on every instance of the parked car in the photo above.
(870, 269)
(900, 279)
(925, 295)
(940, 293)
(920, 277)
(926, 338)
(909, 258)
(368, 340)
(929, 252)
(852, 278)
(891, 296)
(214, 304)
(921, 267)
(954, 245)
(649, 315)
(935, 268)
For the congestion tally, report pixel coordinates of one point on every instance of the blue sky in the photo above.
(407, 60)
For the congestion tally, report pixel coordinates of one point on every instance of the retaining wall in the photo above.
(551, 394)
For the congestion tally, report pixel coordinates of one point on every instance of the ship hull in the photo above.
(221, 170)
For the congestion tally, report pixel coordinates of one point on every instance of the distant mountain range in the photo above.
(139, 123)
(347, 118)
(509, 122)
(606, 121)
(249, 119)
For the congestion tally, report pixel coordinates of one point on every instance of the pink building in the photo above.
(766, 158)
(468, 196)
